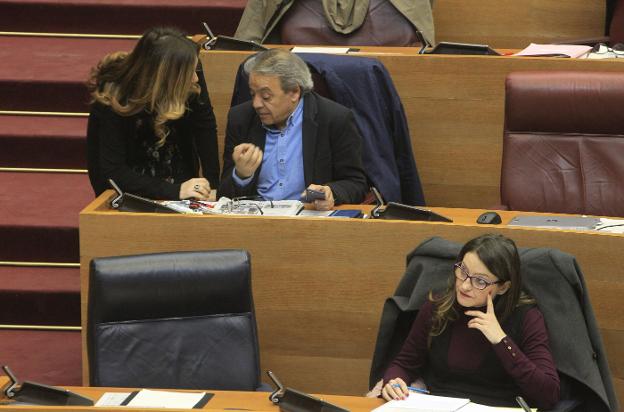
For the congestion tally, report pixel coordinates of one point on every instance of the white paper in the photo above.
(417, 402)
(475, 407)
(326, 50)
(315, 213)
(610, 225)
(165, 399)
(570, 50)
(112, 399)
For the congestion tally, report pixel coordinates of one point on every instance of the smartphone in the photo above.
(312, 195)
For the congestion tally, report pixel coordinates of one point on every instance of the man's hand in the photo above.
(487, 322)
(198, 188)
(328, 203)
(247, 158)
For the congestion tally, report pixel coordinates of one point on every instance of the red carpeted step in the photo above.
(39, 215)
(48, 357)
(52, 142)
(119, 16)
(39, 296)
(49, 73)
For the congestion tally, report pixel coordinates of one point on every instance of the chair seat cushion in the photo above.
(204, 352)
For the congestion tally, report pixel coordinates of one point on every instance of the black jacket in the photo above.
(364, 85)
(115, 142)
(331, 148)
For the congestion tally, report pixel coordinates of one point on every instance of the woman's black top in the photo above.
(123, 148)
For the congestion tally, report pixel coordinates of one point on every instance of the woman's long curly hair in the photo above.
(157, 76)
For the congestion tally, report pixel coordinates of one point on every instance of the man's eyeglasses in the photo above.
(461, 273)
(244, 205)
(616, 51)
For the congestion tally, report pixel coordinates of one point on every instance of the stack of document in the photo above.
(417, 402)
(146, 398)
(227, 206)
(555, 50)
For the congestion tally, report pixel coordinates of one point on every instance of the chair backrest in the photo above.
(563, 143)
(552, 277)
(173, 320)
(616, 27)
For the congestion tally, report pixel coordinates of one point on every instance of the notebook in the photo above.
(556, 222)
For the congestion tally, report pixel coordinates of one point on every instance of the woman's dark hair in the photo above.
(500, 255)
(156, 76)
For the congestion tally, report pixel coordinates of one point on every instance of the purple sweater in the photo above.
(528, 362)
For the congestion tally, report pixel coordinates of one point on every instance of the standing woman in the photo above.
(151, 124)
(482, 339)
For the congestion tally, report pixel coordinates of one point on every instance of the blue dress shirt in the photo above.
(281, 176)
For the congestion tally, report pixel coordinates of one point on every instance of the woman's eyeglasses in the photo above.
(461, 273)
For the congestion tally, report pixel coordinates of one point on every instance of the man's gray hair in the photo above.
(292, 71)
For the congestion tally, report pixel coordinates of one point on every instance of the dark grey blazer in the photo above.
(332, 152)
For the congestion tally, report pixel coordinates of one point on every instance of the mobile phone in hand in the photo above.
(312, 195)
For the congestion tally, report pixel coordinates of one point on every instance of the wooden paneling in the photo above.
(455, 111)
(319, 285)
(515, 24)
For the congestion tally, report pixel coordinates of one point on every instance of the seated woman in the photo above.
(151, 123)
(482, 339)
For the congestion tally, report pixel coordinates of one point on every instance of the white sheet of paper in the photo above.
(572, 50)
(112, 399)
(476, 407)
(326, 50)
(417, 402)
(147, 398)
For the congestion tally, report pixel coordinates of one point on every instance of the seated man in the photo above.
(288, 138)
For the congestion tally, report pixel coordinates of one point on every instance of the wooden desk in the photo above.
(222, 400)
(455, 111)
(319, 285)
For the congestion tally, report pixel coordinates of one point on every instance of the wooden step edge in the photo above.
(41, 327)
(40, 264)
(70, 35)
(33, 113)
(41, 170)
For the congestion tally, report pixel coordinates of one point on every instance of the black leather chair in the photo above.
(554, 279)
(173, 320)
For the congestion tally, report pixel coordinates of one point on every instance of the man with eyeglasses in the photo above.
(288, 140)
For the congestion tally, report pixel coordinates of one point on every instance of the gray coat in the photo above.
(261, 16)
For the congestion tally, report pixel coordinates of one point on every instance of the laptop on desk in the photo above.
(556, 222)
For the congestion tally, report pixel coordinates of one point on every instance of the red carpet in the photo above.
(119, 16)
(39, 215)
(49, 357)
(40, 296)
(49, 74)
(43, 142)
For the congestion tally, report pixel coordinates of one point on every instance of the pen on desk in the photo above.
(412, 388)
(523, 404)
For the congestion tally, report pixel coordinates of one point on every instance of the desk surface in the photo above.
(454, 107)
(319, 284)
(222, 400)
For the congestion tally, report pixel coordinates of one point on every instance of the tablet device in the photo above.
(463, 48)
